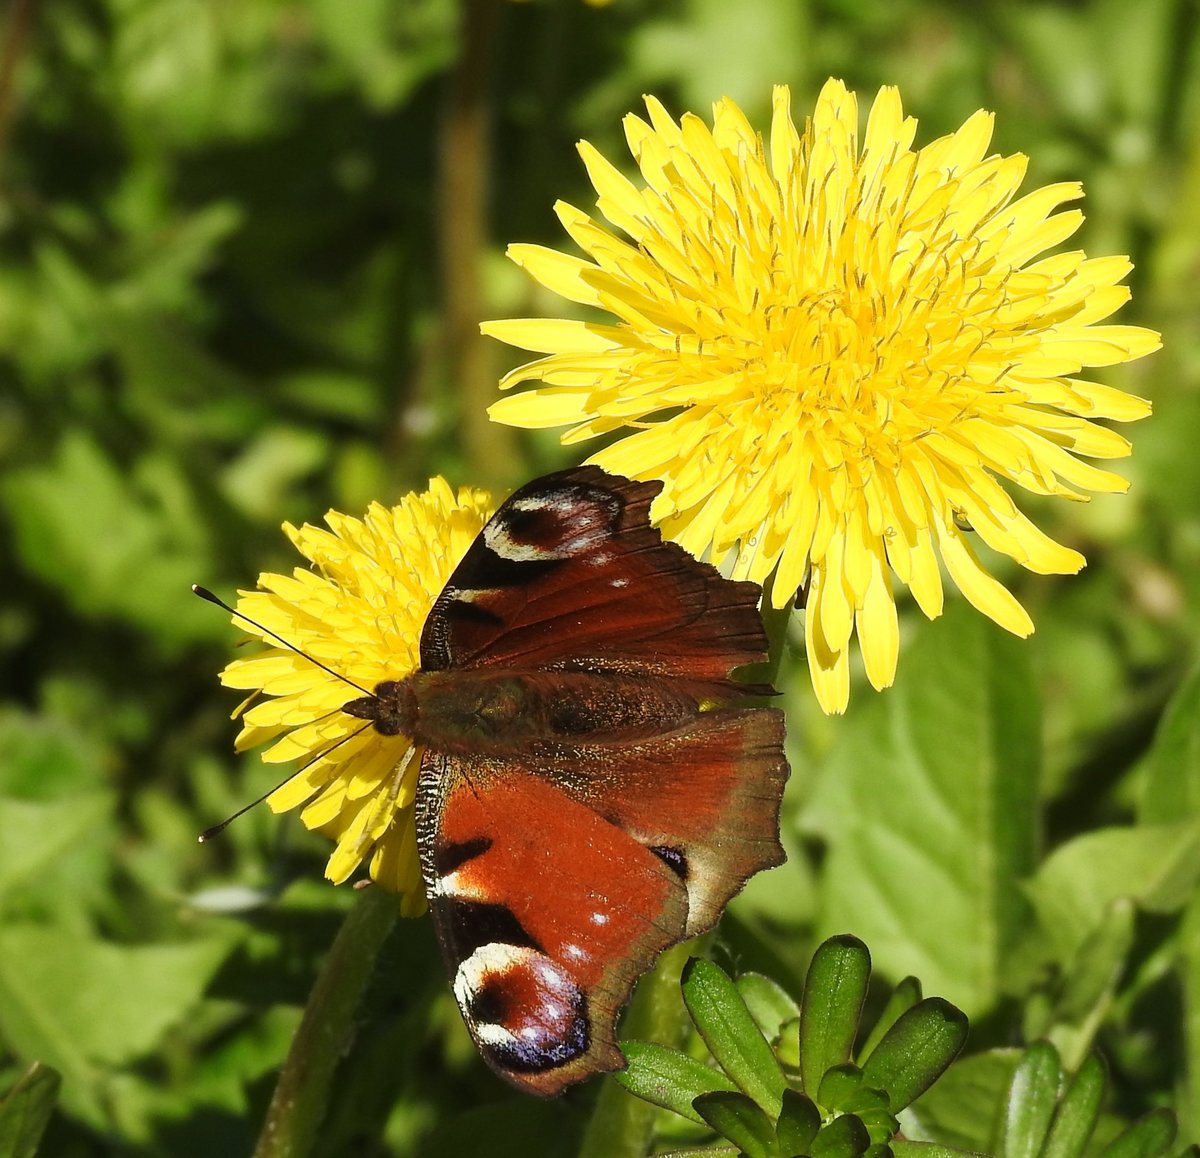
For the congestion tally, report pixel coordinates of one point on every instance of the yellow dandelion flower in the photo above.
(832, 351)
(359, 613)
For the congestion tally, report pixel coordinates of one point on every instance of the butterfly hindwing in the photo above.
(543, 926)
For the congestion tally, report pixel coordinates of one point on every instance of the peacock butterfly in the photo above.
(594, 787)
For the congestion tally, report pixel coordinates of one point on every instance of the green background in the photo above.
(244, 248)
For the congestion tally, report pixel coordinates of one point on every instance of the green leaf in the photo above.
(963, 1109)
(1032, 1098)
(1156, 866)
(1188, 972)
(834, 992)
(844, 1137)
(35, 836)
(916, 1050)
(1150, 1136)
(799, 1121)
(769, 1003)
(839, 1086)
(736, 1117)
(1088, 988)
(906, 994)
(25, 1111)
(136, 561)
(1076, 1116)
(83, 1004)
(728, 1029)
(903, 1148)
(1171, 776)
(704, 1152)
(669, 1078)
(929, 806)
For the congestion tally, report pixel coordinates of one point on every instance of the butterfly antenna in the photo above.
(217, 829)
(205, 593)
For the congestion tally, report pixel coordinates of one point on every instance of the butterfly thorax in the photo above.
(505, 713)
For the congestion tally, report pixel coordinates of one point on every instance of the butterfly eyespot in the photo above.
(523, 1008)
(673, 859)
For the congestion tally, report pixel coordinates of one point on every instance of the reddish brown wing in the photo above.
(569, 573)
(556, 881)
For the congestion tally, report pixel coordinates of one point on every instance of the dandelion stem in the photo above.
(302, 1092)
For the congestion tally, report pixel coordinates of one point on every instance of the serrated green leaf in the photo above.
(769, 1003)
(834, 991)
(82, 1004)
(1088, 987)
(1032, 1098)
(25, 1111)
(669, 1078)
(916, 1050)
(844, 1137)
(929, 805)
(1150, 1136)
(1075, 1118)
(963, 1109)
(736, 1117)
(135, 562)
(1156, 866)
(906, 994)
(799, 1121)
(34, 836)
(728, 1029)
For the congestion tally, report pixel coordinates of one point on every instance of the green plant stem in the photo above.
(621, 1125)
(301, 1094)
(464, 170)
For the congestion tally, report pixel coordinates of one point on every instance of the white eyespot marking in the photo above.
(599, 918)
(469, 594)
(529, 505)
(558, 524)
(497, 538)
(575, 952)
(488, 961)
(618, 582)
(522, 1007)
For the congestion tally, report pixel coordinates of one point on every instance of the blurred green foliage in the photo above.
(243, 248)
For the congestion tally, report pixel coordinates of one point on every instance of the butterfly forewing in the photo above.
(569, 572)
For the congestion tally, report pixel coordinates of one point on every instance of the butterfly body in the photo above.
(503, 713)
(594, 787)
